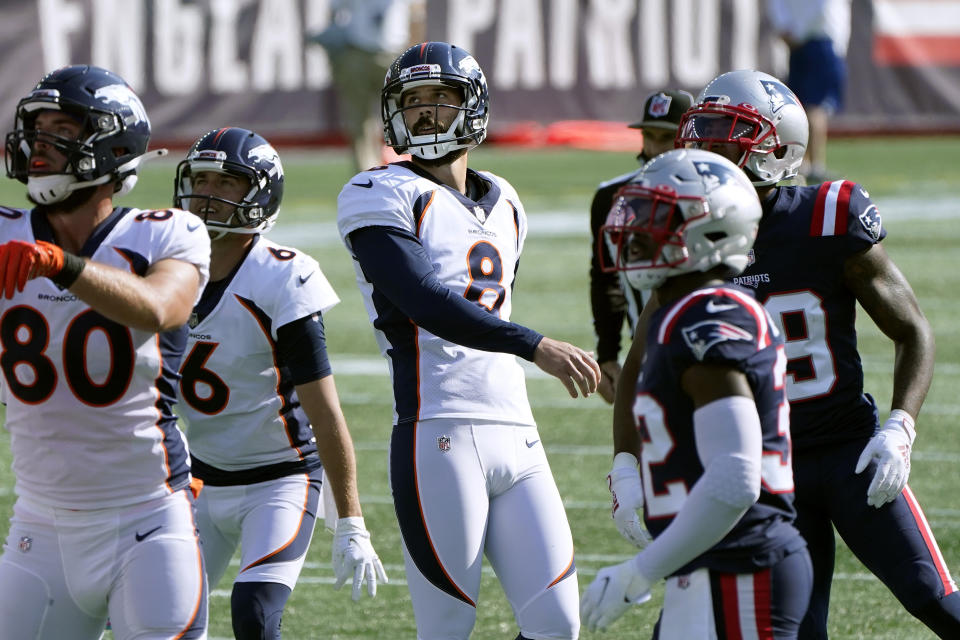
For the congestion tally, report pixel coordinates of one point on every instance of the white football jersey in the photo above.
(235, 396)
(89, 401)
(474, 247)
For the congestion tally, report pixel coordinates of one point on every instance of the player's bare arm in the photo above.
(624, 430)
(886, 295)
(159, 301)
(570, 364)
(705, 383)
(321, 403)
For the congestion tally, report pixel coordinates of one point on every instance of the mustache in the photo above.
(423, 122)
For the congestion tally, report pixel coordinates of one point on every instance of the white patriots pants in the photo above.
(63, 572)
(462, 490)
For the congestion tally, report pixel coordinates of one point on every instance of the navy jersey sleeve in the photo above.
(864, 226)
(714, 330)
(302, 347)
(396, 264)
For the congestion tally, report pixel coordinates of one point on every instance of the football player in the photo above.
(92, 324)
(711, 409)
(435, 247)
(816, 256)
(612, 299)
(258, 393)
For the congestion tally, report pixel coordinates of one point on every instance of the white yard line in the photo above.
(546, 224)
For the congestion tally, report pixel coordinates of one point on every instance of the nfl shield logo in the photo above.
(659, 105)
(751, 258)
(25, 544)
(683, 582)
(443, 443)
(194, 320)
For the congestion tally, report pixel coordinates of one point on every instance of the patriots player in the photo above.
(817, 255)
(92, 326)
(711, 410)
(435, 248)
(258, 393)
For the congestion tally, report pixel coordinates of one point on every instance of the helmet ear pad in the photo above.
(433, 63)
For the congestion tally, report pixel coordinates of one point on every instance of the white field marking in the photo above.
(488, 571)
(605, 450)
(352, 364)
(544, 224)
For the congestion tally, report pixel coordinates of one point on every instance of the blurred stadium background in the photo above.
(552, 65)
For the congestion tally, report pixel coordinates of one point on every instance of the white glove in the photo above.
(626, 490)
(353, 554)
(890, 447)
(611, 593)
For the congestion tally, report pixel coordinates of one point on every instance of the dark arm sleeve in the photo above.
(302, 347)
(397, 265)
(606, 295)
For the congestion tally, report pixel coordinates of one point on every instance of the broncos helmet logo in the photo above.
(701, 336)
(267, 154)
(124, 95)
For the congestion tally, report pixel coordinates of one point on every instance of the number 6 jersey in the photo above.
(474, 246)
(90, 401)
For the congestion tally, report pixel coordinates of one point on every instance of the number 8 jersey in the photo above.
(90, 401)
(474, 246)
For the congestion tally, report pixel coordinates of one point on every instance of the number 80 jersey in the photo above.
(474, 247)
(89, 400)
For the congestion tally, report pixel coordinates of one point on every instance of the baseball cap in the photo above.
(663, 109)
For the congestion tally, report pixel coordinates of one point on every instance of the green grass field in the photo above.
(913, 180)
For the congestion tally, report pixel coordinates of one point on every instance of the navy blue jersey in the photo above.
(805, 236)
(725, 326)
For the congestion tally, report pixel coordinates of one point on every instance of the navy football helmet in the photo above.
(433, 63)
(687, 210)
(239, 152)
(758, 113)
(112, 144)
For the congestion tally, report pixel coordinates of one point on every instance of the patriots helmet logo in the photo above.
(715, 174)
(775, 92)
(701, 336)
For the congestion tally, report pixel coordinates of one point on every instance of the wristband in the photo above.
(72, 266)
(904, 420)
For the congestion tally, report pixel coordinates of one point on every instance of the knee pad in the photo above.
(257, 609)
(554, 614)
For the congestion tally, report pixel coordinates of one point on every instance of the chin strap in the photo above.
(54, 188)
(130, 168)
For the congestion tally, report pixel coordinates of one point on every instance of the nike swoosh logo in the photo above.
(193, 227)
(306, 277)
(713, 307)
(368, 184)
(530, 444)
(141, 536)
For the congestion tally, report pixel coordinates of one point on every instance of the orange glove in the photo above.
(21, 261)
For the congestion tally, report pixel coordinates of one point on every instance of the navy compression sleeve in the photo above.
(302, 347)
(397, 265)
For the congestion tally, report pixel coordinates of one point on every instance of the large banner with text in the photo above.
(198, 64)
